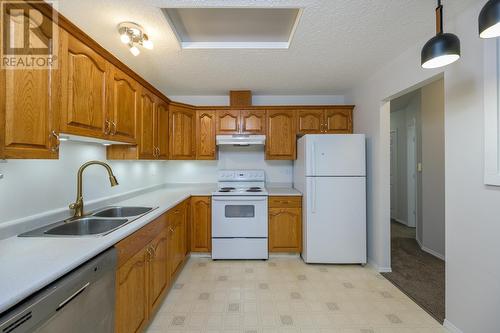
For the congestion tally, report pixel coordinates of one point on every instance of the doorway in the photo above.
(417, 196)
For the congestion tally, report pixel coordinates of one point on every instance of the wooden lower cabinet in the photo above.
(158, 269)
(131, 309)
(201, 224)
(148, 262)
(285, 224)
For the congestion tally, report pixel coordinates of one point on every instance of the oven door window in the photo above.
(239, 211)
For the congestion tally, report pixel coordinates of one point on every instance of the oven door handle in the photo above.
(236, 198)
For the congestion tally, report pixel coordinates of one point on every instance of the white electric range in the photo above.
(239, 215)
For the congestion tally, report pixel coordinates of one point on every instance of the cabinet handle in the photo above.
(114, 128)
(158, 152)
(107, 127)
(153, 251)
(54, 148)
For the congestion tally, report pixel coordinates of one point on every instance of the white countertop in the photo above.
(282, 191)
(29, 264)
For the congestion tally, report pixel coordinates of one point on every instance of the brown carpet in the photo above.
(418, 274)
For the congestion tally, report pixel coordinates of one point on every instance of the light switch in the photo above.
(419, 167)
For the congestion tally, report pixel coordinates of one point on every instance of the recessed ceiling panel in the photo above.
(233, 27)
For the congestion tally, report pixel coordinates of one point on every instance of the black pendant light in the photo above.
(489, 20)
(442, 49)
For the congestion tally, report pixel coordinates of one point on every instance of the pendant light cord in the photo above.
(439, 18)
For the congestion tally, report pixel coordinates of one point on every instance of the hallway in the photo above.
(417, 273)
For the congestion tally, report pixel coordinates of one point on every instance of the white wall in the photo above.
(432, 212)
(223, 100)
(230, 157)
(472, 209)
(31, 187)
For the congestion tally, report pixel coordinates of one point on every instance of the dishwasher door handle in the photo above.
(70, 298)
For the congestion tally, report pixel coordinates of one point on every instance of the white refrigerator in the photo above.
(330, 171)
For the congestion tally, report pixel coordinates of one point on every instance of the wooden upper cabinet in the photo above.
(228, 121)
(84, 75)
(161, 131)
(131, 294)
(281, 139)
(253, 122)
(30, 105)
(182, 133)
(338, 121)
(201, 223)
(147, 125)
(123, 106)
(205, 135)
(310, 121)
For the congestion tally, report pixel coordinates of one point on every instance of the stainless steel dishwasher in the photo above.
(82, 301)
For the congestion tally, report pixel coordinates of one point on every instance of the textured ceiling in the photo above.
(336, 45)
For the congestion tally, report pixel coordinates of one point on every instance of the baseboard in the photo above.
(450, 327)
(200, 255)
(431, 252)
(284, 255)
(400, 221)
(378, 268)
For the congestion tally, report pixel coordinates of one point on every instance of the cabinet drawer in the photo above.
(129, 246)
(285, 202)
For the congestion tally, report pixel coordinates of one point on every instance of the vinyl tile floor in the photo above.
(285, 295)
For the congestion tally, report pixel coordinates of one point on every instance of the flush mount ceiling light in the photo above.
(442, 49)
(133, 35)
(489, 20)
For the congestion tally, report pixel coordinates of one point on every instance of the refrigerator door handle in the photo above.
(313, 195)
(313, 158)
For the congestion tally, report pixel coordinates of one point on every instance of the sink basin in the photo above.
(114, 212)
(100, 223)
(86, 226)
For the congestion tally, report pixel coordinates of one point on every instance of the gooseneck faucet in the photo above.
(78, 204)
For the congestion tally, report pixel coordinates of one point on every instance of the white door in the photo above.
(336, 220)
(335, 155)
(412, 172)
(394, 173)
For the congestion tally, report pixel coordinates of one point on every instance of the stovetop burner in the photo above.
(227, 189)
(253, 189)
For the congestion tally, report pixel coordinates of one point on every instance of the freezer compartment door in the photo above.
(335, 220)
(335, 155)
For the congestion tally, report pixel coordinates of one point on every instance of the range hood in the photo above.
(240, 140)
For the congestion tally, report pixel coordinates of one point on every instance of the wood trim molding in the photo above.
(276, 107)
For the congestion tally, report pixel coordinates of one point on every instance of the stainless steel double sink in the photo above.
(99, 223)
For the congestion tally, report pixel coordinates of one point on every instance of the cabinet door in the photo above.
(285, 230)
(205, 135)
(338, 121)
(131, 294)
(84, 75)
(281, 139)
(29, 107)
(158, 272)
(182, 133)
(228, 121)
(146, 128)
(310, 121)
(123, 106)
(253, 122)
(161, 140)
(201, 223)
